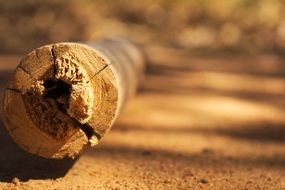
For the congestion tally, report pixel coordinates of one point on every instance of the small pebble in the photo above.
(207, 151)
(16, 181)
(204, 181)
(146, 153)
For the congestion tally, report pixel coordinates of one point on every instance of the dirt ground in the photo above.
(198, 122)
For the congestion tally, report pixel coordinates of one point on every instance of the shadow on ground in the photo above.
(262, 132)
(257, 78)
(15, 162)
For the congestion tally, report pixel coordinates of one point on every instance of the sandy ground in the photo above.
(199, 122)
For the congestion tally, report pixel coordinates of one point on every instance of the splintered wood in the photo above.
(66, 96)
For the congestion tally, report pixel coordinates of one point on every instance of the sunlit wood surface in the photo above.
(198, 122)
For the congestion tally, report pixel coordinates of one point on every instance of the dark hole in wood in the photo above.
(59, 91)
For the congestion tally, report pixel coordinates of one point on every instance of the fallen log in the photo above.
(65, 96)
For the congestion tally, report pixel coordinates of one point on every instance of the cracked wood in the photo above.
(66, 96)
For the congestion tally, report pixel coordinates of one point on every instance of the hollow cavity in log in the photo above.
(59, 104)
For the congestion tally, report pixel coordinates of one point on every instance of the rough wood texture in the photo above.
(65, 96)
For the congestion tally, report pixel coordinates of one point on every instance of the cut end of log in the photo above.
(61, 98)
(61, 101)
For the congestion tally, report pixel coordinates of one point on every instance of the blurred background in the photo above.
(250, 26)
(211, 110)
